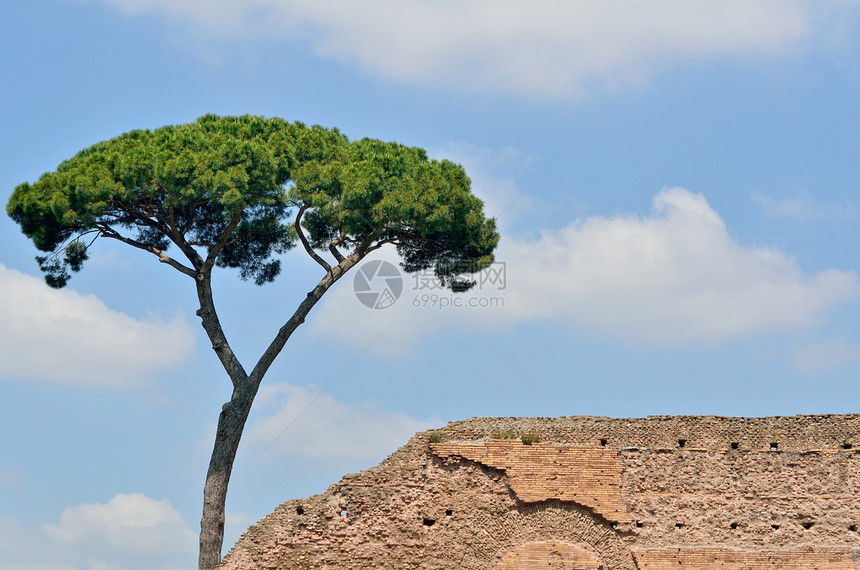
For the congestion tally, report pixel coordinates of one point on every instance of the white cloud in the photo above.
(804, 207)
(553, 48)
(129, 532)
(22, 548)
(64, 336)
(297, 421)
(129, 523)
(826, 355)
(675, 276)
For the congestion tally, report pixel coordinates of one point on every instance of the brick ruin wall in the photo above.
(593, 493)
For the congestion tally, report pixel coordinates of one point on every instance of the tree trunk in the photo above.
(231, 423)
(234, 414)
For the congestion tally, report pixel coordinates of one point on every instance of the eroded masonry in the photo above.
(586, 493)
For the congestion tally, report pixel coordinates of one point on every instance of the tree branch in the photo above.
(298, 317)
(225, 237)
(172, 218)
(365, 243)
(212, 326)
(304, 240)
(138, 218)
(162, 257)
(332, 247)
(189, 217)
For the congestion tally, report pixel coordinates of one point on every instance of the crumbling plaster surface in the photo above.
(648, 493)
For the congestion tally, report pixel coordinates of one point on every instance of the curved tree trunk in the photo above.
(231, 423)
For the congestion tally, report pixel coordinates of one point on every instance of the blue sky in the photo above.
(675, 183)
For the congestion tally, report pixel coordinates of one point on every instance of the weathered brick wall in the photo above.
(648, 493)
(540, 472)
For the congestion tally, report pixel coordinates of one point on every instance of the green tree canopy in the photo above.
(229, 185)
